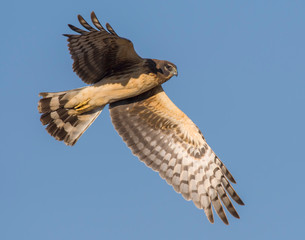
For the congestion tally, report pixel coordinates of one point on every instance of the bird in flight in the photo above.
(151, 125)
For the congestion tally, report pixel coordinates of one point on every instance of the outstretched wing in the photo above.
(99, 53)
(167, 141)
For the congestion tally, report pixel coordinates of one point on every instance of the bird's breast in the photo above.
(117, 88)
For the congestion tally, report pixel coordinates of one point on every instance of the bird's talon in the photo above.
(82, 106)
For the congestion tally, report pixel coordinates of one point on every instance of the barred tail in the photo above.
(64, 122)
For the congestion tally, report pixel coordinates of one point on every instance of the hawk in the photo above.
(155, 130)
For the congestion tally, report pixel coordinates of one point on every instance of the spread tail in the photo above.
(64, 122)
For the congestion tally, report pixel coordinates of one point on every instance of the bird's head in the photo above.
(162, 68)
(169, 69)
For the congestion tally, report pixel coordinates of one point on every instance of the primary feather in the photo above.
(167, 141)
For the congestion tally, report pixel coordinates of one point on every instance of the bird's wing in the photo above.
(98, 53)
(167, 141)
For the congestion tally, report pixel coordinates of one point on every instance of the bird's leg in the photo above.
(83, 106)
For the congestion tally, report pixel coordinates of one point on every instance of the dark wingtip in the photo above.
(210, 218)
(110, 29)
(240, 202)
(76, 29)
(229, 176)
(84, 23)
(92, 15)
(96, 22)
(235, 214)
(232, 179)
(223, 216)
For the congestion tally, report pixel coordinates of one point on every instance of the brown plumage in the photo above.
(156, 131)
(100, 54)
(110, 63)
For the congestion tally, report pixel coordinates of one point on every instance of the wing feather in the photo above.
(110, 29)
(84, 23)
(167, 141)
(96, 22)
(99, 53)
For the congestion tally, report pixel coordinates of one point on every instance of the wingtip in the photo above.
(93, 14)
(233, 180)
(240, 202)
(79, 17)
(210, 218)
(96, 22)
(70, 26)
(235, 214)
(110, 29)
(223, 217)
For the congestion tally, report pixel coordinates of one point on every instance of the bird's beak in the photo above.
(175, 72)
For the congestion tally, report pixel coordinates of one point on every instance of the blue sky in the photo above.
(241, 80)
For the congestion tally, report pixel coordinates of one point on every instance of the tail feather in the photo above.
(65, 123)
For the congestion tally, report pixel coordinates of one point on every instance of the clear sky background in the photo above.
(241, 80)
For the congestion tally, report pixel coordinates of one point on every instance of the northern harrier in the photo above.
(155, 130)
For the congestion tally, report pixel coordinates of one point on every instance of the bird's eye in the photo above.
(168, 67)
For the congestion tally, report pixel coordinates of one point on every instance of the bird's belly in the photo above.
(112, 90)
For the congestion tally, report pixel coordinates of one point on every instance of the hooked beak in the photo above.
(175, 72)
